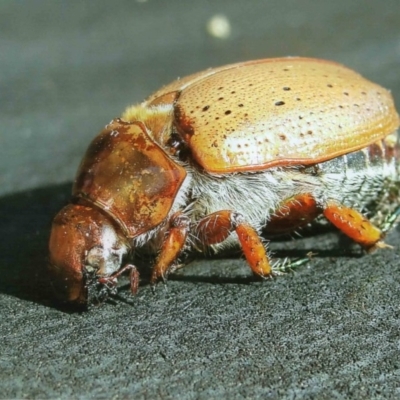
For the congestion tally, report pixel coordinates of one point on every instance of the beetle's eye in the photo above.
(95, 257)
(103, 261)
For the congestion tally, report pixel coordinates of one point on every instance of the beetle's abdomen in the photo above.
(379, 155)
(367, 180)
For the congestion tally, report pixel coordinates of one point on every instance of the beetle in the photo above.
(220, 157)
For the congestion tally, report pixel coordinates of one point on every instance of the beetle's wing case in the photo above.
(276, 112)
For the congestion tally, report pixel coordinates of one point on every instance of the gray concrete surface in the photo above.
(328, 330)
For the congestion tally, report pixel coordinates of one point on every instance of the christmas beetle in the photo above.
(216, 158)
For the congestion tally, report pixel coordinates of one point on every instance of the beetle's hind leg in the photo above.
(354, 225)
(216, 227)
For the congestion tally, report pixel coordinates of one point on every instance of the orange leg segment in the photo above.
(354, 225)
(172, 246)
(216, 227)
(292, 213)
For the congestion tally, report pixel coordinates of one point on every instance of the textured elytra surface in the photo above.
(273, 112)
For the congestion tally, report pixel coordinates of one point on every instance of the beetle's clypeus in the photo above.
(214, 159)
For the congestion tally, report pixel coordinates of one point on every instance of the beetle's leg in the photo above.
(296, 211)
(216, 227)
(171, 247)
(112, 280)
(354, 225)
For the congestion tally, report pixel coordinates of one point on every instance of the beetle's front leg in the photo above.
(216, 227)
(111, 281)
(171, 247)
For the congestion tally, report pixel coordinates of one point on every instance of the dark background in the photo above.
(328, 330)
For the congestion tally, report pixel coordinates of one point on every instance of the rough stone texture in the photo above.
(328, 330)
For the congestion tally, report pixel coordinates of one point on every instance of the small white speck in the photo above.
(219, 26)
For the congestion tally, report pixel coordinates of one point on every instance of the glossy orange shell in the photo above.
(128, 176)
(276, 112)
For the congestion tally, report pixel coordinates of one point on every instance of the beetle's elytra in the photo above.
(216, 158)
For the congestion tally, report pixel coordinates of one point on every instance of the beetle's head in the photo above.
(84, 245)
(125, 186)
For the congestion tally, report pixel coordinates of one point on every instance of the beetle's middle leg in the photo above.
(216, 227)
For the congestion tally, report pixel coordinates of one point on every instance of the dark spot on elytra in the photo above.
(329, 85)
(309, 132)
(286, 88)
(282, 136)
(279, 103)
(240, 105)
(346, 93)
(221, 98)
(205, 108)
(298, 99)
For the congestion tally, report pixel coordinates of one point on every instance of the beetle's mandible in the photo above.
(219, 157)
